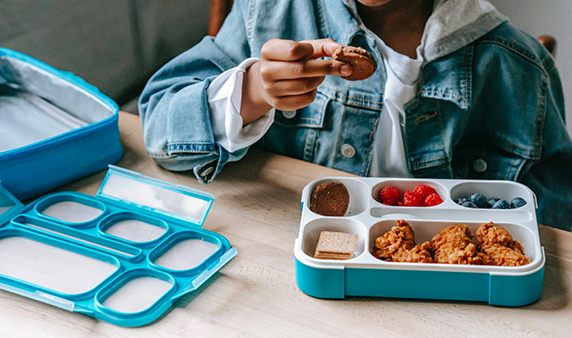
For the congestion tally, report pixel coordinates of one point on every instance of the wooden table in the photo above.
(257, 207)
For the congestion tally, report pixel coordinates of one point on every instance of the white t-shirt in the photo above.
(403, 75)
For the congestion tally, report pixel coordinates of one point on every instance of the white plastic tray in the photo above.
(369, 219)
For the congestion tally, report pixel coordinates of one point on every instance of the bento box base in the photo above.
(498, 290)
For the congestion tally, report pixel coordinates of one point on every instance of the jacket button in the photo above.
(348, 151)
(480, 165)
(289, 114)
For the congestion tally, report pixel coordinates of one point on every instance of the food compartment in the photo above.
(133, 227)
(40, 262)
(135, 292)
(425, 230)
(312, 230)
(357, 190)
(73, 209)
(404, 186)
(185, 252)
(504, 190)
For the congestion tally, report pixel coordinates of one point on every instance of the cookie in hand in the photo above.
(362, 62)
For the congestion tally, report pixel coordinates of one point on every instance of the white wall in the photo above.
(551, 17)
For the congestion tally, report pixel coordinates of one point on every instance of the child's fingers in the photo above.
(276, 71)
(294, 87)
(286, 50)
(289, 50)
(290, 72)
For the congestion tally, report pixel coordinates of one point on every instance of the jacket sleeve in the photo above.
(551, 177)
(173, 105)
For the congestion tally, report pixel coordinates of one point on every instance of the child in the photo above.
(458, 93)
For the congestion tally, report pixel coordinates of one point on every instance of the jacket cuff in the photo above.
(207, 171)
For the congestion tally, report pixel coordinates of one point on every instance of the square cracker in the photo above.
(335, 245)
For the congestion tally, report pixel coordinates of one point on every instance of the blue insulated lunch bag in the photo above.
(54, 127)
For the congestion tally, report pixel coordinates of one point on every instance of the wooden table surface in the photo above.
(257, 208)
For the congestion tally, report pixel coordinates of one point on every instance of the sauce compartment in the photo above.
(72, 209)
(133, 228)
(459, 214)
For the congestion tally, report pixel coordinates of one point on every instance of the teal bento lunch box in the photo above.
(124, 256)
(366, 275)
(54, 127)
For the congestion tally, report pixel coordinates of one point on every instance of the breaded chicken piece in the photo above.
(454, 245)
(421, 253)
(400, 237)
(398, 245)
(498, 244)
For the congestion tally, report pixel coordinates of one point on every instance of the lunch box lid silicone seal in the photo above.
(81, 266)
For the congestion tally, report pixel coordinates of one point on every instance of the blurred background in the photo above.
(117, 45)
(547, 17)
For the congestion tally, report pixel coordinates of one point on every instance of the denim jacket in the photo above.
(489, 109)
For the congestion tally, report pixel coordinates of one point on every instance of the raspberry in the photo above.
(389, 195)
(411, 199)
(423, 191)
(433, 199)
(399, 203)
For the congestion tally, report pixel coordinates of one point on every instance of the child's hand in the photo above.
(287, 76)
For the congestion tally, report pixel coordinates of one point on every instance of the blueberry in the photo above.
(501, 204)
(492, 202)
(469, 204)
(517, 202)
(479, 199)
(461, 200)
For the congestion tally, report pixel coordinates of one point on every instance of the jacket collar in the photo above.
(448, 53)
(452, 25)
